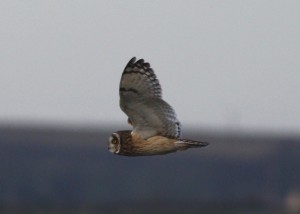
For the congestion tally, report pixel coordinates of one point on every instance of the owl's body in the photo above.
(156, 129)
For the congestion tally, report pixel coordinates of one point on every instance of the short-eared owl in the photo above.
(156, 130)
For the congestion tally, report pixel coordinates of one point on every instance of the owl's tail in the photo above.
(184, 144)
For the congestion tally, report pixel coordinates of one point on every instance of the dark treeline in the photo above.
(63, 168)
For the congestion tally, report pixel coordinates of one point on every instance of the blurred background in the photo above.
(230, 69)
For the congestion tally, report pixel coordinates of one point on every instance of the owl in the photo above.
(156, 130)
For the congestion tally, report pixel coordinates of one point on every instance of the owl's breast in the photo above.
(156, 145)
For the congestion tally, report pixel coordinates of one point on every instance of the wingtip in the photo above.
(131, 61)
(140, 62)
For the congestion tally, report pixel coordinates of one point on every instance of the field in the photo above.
(69, 170)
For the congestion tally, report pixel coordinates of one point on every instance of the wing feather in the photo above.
(141, 100)
(140, 78)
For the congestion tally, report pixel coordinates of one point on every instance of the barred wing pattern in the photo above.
(141, 100)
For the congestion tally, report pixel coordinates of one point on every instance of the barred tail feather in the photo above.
(185, 144)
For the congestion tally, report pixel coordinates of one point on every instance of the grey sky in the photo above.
(222, 64)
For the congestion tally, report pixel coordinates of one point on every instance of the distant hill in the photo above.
(53, 167)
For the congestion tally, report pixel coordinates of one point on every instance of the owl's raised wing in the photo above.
(141, 100)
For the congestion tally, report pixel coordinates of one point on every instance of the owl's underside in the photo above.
(124, 143)
(156, 130)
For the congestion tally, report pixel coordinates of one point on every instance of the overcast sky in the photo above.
(221, 64)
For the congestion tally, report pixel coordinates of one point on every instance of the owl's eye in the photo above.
(114, 141)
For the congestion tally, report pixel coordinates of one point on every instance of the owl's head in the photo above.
(114, 143)
(120, 142)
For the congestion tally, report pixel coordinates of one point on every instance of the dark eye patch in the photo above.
(114, 140)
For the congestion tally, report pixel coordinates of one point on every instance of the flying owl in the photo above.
(156, 130)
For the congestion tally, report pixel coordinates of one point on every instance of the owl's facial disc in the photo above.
(114, 143)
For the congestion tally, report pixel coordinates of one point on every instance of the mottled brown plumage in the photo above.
(133, 145)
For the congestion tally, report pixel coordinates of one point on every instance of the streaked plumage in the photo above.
(156, 129)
